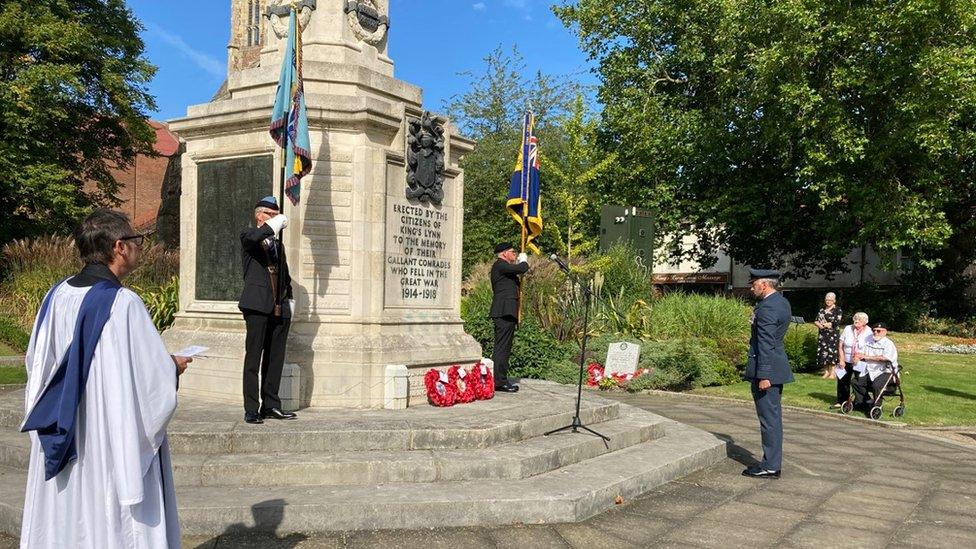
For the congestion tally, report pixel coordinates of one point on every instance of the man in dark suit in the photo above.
(768, 368)
(505, 285)
(267, 305)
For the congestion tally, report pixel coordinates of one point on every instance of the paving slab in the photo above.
(935, 535)
(527, 537)
(816, 535)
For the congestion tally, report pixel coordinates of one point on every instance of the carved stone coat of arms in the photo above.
(425, 159)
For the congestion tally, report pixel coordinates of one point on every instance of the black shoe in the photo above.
(253, 417)
(507, 388)
(275, 413)
(758, 472)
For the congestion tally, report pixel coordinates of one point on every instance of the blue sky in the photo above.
(431, 41)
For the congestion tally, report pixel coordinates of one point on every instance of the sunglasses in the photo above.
(876, 330)
(138, 238)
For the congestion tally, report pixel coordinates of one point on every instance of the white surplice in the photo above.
(119, 492)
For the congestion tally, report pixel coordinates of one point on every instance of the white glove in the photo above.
(291, 306)
(523, 258)
(277, 223)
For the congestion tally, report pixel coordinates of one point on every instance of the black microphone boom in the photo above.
(559, 262)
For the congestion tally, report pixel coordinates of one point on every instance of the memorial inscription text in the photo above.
(417, 263)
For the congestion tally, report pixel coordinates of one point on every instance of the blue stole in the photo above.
(55, 414)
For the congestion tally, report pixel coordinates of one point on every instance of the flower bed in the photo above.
(961, 349)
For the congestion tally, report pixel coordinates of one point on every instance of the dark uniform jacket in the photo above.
(257, 294)
(505, 288)
(767, 355)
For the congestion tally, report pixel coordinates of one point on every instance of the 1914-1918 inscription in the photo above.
(226, 193)
(418, 256)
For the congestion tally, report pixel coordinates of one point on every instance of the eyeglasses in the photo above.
(877, 330)
(138, 238)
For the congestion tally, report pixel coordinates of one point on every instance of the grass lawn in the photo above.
(7, 350)
(12, 374)
(940, 389)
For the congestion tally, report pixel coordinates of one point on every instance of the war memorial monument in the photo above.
(374, 249)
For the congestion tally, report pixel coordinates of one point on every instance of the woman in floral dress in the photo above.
(828, 321)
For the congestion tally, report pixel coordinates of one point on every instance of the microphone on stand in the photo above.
(559, 262)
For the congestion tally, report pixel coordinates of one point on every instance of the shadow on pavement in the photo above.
(736, 452)
(268, 515)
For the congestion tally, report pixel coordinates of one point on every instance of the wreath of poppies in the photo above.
(463, 384)
(596, 373)
(485, 386)
(440, 391)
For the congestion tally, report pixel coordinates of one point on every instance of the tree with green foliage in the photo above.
(490, 112)
(574, 177)
(73, 103)
(789, 133)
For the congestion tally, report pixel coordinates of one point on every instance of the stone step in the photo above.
(507, 461)
(568, 494)
(14, 449)
(204, 428)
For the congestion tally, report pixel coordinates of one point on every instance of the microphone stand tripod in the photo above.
(577, 423)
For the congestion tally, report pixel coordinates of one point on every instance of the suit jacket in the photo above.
(505, 285)
(257, 294)
(767, 355)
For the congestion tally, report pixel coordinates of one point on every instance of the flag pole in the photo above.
(525, 197)
(281, 181)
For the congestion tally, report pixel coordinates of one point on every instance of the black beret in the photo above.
(502, 246)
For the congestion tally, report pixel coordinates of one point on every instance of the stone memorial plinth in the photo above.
(374, 246)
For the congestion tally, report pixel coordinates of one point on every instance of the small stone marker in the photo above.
(622, 358)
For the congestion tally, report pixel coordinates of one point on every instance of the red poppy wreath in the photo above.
(461, 379)
(485, 388)
(440, 392)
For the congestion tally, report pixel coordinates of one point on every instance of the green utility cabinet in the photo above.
(630, 225)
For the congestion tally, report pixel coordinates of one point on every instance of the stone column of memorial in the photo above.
(374, 246)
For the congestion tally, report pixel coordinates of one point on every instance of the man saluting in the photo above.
(768, 367)
(505, 285)
(266, 303)
(101, 389)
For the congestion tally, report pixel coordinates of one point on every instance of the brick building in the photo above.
(141, 185)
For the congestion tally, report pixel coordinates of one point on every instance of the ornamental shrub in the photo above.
(162, 301)
(12, 334)
(801, 347)
(660, 379)
(689, 362)
(534, 352)
(31, 267)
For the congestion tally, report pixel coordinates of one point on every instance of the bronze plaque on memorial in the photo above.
(226, 193)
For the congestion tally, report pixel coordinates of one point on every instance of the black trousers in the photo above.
(844, 383)
(504, 335)
(264, 351)
(864, 384)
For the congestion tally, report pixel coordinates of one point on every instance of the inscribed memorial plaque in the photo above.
(419, 244)
(622, 358)
(226, 193)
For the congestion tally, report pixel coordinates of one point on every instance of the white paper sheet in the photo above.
(191, 351)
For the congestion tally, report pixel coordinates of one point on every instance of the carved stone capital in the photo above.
(367, 20)
(279, 10)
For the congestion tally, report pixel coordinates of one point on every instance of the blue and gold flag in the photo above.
(523, 193)
(289, 122)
